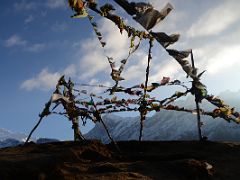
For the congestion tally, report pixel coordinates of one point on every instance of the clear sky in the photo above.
(39, 42)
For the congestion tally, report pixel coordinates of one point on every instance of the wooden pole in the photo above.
(197, 104)
(77, 134)
(35, 127)
(143, 103)
(99, 118)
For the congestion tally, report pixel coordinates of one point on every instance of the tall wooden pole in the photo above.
(199, 123)
(143, 103)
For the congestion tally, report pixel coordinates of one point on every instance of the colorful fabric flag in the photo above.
(165, 80)
(77, 5)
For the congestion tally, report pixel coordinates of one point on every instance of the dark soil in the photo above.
(137, 160)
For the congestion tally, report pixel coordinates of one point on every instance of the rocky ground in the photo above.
(138, 160)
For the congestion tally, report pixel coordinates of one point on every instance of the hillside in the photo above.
(145, 160)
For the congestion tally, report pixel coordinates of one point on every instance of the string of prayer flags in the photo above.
(164, 39)
(148, 17)
(79, 7)
(215, 101)
(225, 113)
(223, 110)
(129, 91)
(174, 97)
(163, 82)
(97, 32)
(127, 109)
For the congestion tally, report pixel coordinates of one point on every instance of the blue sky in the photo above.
(39, 42)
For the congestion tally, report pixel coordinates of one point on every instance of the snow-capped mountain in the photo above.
(8, 138)
(5, 134)
(171, 125)
(165, 125)
(10, 142)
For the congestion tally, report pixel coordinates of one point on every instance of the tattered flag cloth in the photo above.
(164, 39)
(57, 97)
(106, 11)
(116, 72)
(179, 55)
(144, 13)
(166, 10)
(77, 5)
(148, 17)
(198, 89)
(165, 80)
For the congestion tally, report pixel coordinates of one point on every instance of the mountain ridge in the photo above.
(172, 125)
